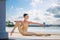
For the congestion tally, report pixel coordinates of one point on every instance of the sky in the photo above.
(36, 9)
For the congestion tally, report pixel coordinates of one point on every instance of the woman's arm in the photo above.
(18, 23)
(36, 23)
(13, 29)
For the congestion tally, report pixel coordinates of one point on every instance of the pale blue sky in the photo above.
(35, 8)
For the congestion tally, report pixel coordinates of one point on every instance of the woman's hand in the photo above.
(11, 33)
(42, 25)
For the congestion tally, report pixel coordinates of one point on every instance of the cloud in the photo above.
(38, 15)
(57, 16)
(58, 1)
(55, 10)
(35, 3)
(34, 15)
(14, 14)
(53, 5)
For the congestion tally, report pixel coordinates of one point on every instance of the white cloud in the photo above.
(40, 15)
(53, 5)
(35, 13)
(18, 12)
(35, 3)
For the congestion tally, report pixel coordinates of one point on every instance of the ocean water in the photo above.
(50, 30)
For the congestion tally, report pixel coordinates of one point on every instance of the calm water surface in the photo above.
(54, 30)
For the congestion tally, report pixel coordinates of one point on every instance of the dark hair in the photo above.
(25, 15)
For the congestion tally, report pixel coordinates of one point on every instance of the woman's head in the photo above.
(26, 16)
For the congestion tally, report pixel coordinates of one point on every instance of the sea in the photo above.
(49, 30)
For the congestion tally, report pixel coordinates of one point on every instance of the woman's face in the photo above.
(26, 17)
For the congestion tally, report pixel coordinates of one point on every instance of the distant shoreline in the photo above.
(37, 26)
